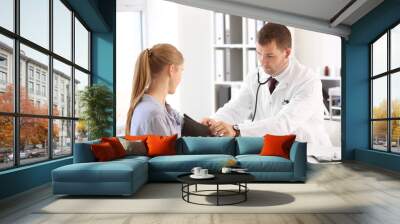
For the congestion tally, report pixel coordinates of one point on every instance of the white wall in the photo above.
(195, 41)
(189, 29)
(161, 26)
(316, 50)
(128, 48)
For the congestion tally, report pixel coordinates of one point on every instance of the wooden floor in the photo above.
(378, 188)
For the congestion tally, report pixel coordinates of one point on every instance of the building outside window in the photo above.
(30, 87)
(3, 71)
(30, 72)
(34, 75)
(3, 78)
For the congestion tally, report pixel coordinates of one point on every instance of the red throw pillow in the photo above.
(116, 145)
(103, 152)
(277, 145)
(161, 145)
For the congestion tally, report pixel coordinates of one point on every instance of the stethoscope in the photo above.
(284, 102)
(258, 88)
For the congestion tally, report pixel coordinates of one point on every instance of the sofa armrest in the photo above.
(298, 155)
(83, 152)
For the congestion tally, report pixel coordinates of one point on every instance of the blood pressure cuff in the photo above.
(193, 128)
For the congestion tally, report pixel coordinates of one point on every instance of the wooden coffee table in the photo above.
(238, 179)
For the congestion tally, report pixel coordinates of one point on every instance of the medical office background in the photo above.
(196, 32)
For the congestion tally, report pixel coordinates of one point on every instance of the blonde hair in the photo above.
(150, 62)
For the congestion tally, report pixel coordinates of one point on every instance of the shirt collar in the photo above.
(284, 74)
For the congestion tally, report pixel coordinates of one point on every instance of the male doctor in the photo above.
(283, 97)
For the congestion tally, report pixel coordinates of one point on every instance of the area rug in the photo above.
(167, 198)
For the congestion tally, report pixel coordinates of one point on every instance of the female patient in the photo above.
(157, 73)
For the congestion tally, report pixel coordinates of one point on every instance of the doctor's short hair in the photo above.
(275, 32)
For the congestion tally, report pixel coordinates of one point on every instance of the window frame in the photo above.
(388, 74)
(16, 114)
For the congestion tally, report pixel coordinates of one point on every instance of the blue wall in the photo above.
(24, 178)
(104, 53)
(355, 61)
(100, 16)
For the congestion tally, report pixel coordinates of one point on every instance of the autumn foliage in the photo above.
(33, 131)
(380, 127)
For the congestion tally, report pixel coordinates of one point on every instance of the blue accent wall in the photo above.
(100, 17)
(24, 178)
(104, 53)
(355, 62)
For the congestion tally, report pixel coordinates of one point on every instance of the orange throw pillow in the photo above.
(161, 145)
(103, 152)
(137, 138)
(116, 145)
(277, 145)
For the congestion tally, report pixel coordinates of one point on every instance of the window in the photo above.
(6, 74)
(6, 142)
(44, 91)
(385, 94)
(81, 81)
(54, 126)
(37, 74)
(62, 30)
(7, 14)
(43, 77)
(30, 72)
(62, 137)
(35, 21)
(3, 61)
(33, 148)
(30, 87)
(81, 45)
(3, 78)
(38, 89)
(63, 73)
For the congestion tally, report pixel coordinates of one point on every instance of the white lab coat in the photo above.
(295, 107)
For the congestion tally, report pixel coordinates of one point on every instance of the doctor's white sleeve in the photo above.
(293, 115)
(238, 109)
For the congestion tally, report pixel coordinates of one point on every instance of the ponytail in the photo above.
(141, 80)
(150, 62)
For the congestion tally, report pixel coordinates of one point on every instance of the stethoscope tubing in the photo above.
(258, 88)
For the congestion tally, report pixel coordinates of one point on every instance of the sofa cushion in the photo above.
(206, 145)
(137, 147)
(112, 171)
(185, 163)
(83, 152)
(249, 145)
(116, 145)
(257, 163)
(131, 158)
(275, 145)
(161, 145)
(103, 152)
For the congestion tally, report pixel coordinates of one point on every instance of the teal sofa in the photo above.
(125, 176)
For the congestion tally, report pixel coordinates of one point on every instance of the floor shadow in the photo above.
(255, 198)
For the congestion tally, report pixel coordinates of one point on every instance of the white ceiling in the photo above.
(321, 9)
(130, 5)
(315, 15)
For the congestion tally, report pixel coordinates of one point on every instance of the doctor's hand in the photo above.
(220, 128)
(208, 121)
